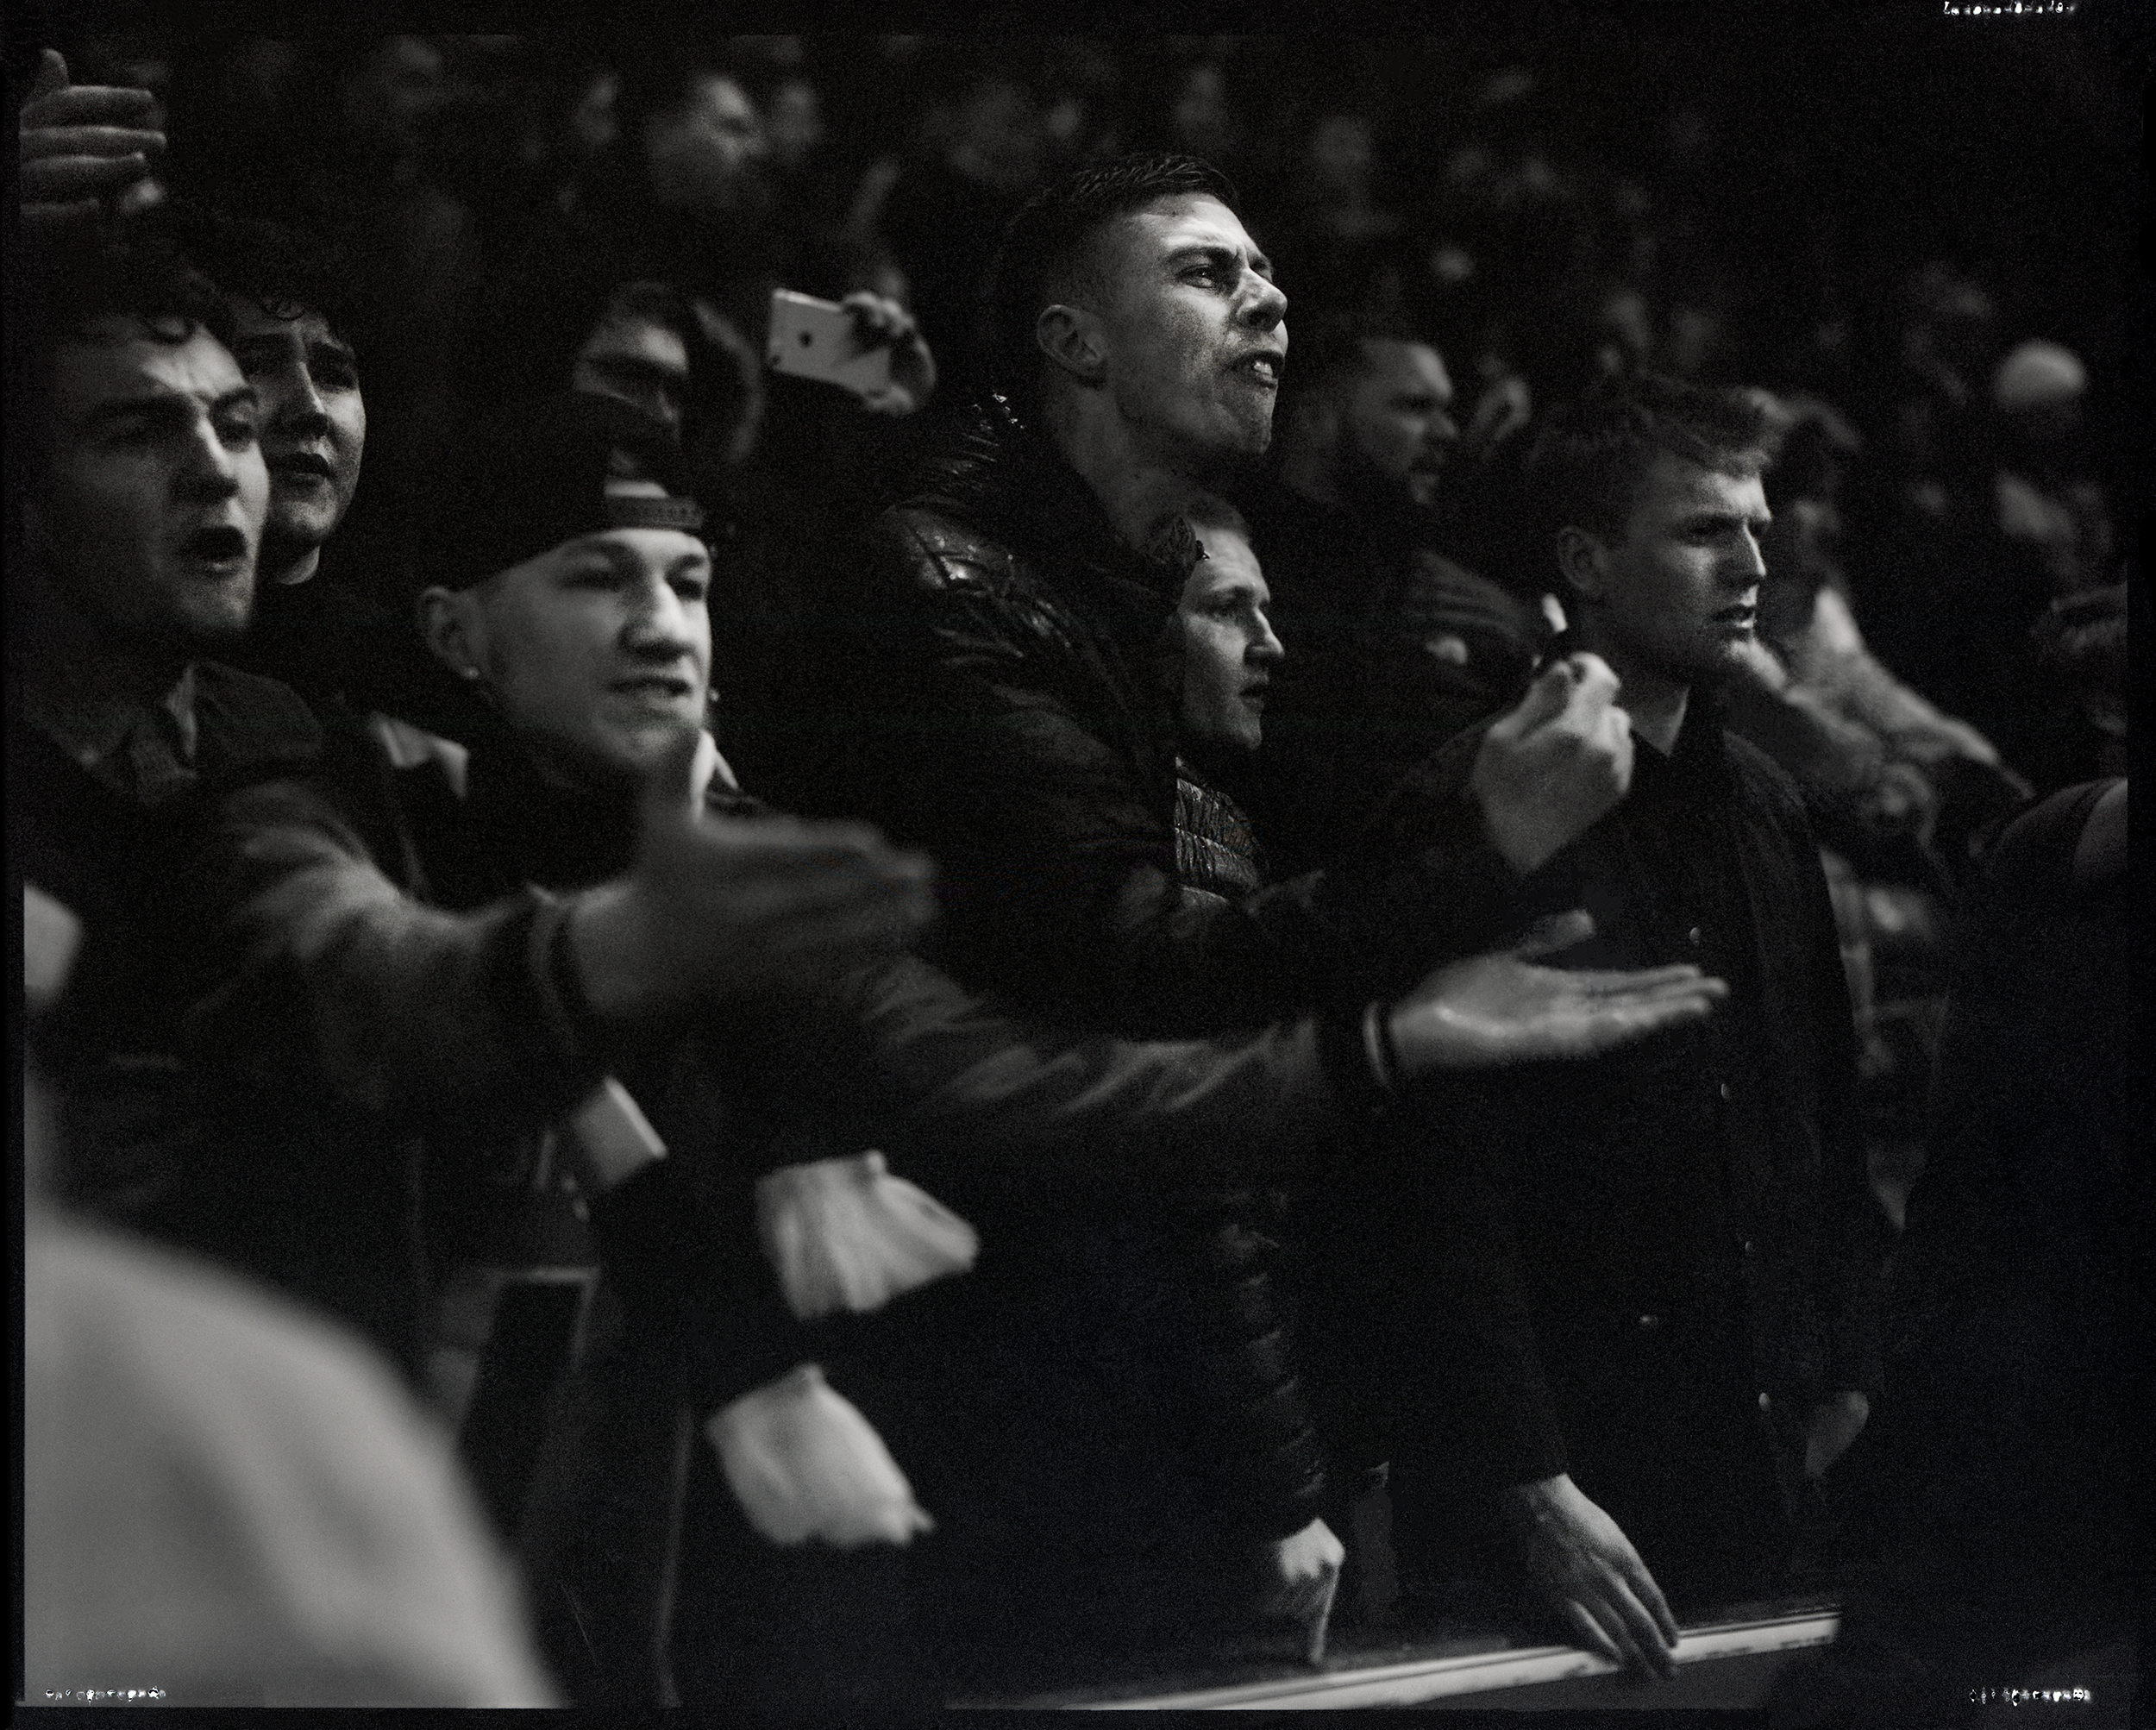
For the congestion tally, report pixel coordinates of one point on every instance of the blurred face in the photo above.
(796, 126)
(1339, 155)
(641, 361)
(1003, 136)
(314, 422)
(1681, 590)
(155, 492)
(1228, 646)
(1194, 332)
(1398, 429)
(597, 653)
(704, 153)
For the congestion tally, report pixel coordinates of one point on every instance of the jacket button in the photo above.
(1692, 936)
(1724, 1091)
(1648, 1324)
(1748, 1246)
(1766, 1404)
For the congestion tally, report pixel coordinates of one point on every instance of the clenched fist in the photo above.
(1555, 766)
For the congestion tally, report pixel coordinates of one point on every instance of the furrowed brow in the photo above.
(161, 407)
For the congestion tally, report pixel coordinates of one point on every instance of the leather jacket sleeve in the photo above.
(961, 1071)
(409, 1013)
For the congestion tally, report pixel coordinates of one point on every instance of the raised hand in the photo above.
(882, 323)
(1503, 1008)
(717, 907)
(1552, 767)
(80, 144)
(1583, 1568)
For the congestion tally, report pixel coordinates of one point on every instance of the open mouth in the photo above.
(654, 687)
(302, 464)
(222, 544)
(1265, 368)
(1746, 616)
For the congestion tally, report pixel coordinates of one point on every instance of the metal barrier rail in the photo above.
(1417, 1681)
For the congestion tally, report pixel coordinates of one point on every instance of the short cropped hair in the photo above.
(1586, 468)
(1041, 259)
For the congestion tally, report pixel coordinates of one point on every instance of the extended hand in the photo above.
(79, 144)
(1552, 767)
(1299, 1576)
(715, 906)
(882, 323)
(1582, 1567)
(1502, 1008)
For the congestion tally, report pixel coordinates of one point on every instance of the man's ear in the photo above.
(1583, 561)
(1071, 337)
(455, 629)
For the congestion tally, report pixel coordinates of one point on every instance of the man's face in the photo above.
(706, 154)
(599, 652)
(1682, 588)
(1398, 434)
(155, 492)
(1228, 646)
(314, 420)
(641, 361)
(1194, 332)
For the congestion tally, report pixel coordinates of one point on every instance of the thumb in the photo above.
(674, 790)
(1544, 701)
(1554, 934)
(52, 76)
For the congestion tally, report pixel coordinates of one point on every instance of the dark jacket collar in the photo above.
(1699, 761)
(993, 471)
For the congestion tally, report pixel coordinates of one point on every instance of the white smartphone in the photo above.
(815, 339)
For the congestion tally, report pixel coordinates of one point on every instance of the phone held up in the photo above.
(817, 339)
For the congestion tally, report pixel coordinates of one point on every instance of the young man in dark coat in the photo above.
(1004, 630)
(1003, 640)
(143, 492)
(1690, 1224)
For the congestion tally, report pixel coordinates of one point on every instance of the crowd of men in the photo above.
(1318, 1038)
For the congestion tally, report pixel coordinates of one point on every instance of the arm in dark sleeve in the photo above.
(396, 1009)
(959, 1068)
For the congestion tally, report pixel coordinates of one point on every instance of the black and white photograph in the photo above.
(882, 876)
